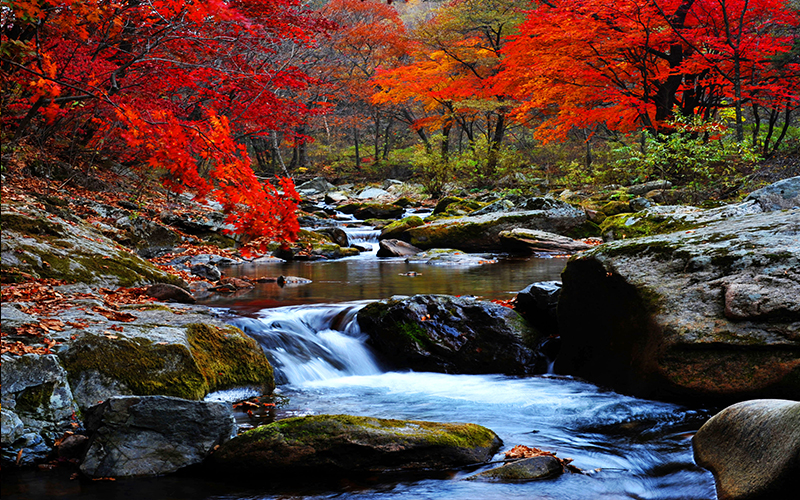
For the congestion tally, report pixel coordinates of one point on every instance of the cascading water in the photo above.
(306, 343)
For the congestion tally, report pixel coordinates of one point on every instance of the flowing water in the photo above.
(628, 448)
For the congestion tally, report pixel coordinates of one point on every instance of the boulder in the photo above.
(753, 450)
(38, 406)
(315, 187)
(166, 292)
(781, 195)
(150, 238)
(336, 444)
(207, 271)
(479, 231)
(450, 257)
(336, 197)
(396, 248)
(335, 234)
(639, 204)
(139, 436)
(705, 314)
(372, 192)
(538, 303)
(378, 211)
(526, 469)
(398, 229)
(448, 334)
(616, 207)
(535, 241)
(186, 361)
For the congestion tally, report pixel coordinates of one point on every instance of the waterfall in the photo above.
(306, 343)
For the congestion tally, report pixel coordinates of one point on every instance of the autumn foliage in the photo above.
(171, 86)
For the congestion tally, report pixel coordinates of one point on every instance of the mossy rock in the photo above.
(443, 203)
(397, 229)
(616, 207)
(378, 211)
(634, 225)
(187, 362)
(452, 335)
(337, 444)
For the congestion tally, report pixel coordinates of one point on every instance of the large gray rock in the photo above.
(38, 406)
(480, 231)
(332, 444)
(526, 469)
(450, 257)
(451, 335)
(753, 450)
(315, 187)
(710, 313)
(133, 436)
(781, 195)
(538, 303)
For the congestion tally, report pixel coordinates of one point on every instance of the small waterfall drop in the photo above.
(306, 343)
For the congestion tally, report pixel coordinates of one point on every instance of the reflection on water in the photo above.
(373, 279)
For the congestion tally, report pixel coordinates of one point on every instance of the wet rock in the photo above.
(207, 271)
(450, 257)
(538, 303)
(396, 248)
(451, 334)
(706, 314)
(166, 292)
(133, 436)
(150, 238)
(335, 234)
(753, 450)
(292, 281)
(534, 241)
(781, 195)
(526, 469)
(35, 393)
(335, 444)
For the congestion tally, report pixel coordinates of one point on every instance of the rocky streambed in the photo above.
(703, 314)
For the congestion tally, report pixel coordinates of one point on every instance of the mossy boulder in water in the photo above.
(704, 314)
(336, 444)
(181, 361)
(449, 334)
(397, 229)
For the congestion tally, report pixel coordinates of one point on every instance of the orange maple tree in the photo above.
(171, 86)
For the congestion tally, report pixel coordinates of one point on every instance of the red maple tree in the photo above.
(172, 86)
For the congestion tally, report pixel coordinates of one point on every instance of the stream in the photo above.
(628, 448)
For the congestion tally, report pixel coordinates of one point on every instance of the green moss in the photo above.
(311, 429)
(635, 225)
(414, 333)
(31, 227)
(228, 358)
(148, 307)
(145, 368)
(220, 240)
(34, 398)
(586, 230)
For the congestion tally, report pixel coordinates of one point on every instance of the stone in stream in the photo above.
(448, 334)
(337, 444)
(535, 241)
(706, 314)
(526, 469)
(396, 248)
(753, 450)
(139, 436)
(538, 303)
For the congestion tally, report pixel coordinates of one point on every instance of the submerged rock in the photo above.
(335, 444)
(451, 334)
(526, 469)
(753, 450)
(710, 313)
(133, 436)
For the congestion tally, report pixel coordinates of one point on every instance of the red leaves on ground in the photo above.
(114, 315)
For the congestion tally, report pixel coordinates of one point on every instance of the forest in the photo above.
(232, 100)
